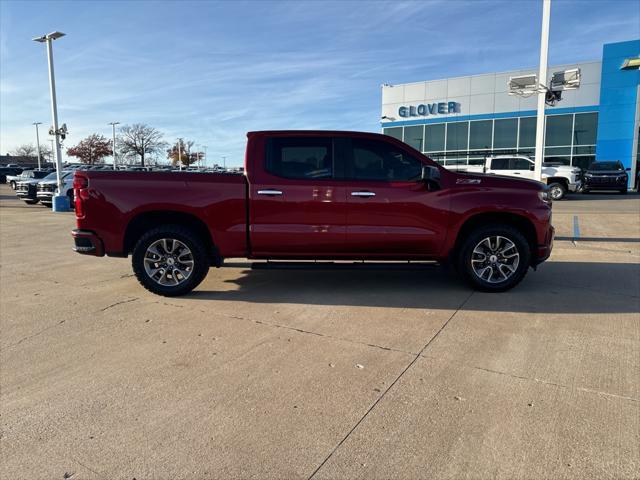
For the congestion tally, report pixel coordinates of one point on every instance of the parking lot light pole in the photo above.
(113, 124)
(60, 201)
(542, 80)
(38, 144)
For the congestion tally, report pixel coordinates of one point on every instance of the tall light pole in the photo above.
(38, 144)
(542, 80)
(180, 153)
(205, 155)
(60, 201)
(113, 124)
(224, 162)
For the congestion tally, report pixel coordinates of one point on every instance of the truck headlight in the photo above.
(544, 196)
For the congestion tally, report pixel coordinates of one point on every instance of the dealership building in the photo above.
(458, 121)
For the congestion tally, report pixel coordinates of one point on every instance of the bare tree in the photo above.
(46, 153)
(140, 140)
(26, 150)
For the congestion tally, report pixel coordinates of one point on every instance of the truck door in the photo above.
(296, 201)
(391, 211)
(521, 167)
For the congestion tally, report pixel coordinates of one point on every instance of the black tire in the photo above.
(199, 253)
(465, 255)
(623, 191)
(557, 191)
(46, 204)
(586, 190)
(31, 202)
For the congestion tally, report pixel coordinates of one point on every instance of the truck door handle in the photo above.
(269, 192)
(516, 173)
(363, 194)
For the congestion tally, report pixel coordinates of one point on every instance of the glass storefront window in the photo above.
(558, 131)
(557, 159)
(527, 132)
(457, 136)
(476, 161)
(434, 137)
(395, 132)
(562, 132)
(505, 133)
(584, 129)
(590, 150)
(557, 151)
(413, 136)
(480, 135)
(456, 161)
(583, 161)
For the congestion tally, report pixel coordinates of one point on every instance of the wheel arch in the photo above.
(145, 221)
(562, 180)
(522, 223)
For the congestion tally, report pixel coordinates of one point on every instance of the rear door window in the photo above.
(302, 158)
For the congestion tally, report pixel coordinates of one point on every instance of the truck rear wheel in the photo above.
(170, 260)
(494, 258)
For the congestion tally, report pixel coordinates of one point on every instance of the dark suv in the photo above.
(606, 176)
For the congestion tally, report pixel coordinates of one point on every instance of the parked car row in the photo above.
(560, 178)
(40, 186)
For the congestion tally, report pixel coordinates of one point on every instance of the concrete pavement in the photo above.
(323, 374)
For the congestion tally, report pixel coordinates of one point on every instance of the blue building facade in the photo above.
(455, 120)
(618, 120)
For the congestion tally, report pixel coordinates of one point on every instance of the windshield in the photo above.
(606, 166)
(52, 175)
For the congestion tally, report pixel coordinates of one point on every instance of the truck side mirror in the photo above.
(532, 167)
(430, 175)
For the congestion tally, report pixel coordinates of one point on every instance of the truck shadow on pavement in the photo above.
(557, 287)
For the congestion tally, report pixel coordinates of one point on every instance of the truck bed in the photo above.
(216, 200)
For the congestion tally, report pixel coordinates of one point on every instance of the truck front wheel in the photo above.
(494, 258)
(170, 260)
(557, 191)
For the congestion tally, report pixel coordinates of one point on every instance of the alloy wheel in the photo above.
(168, 262)
(495, 259)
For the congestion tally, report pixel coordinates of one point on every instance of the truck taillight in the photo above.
(80, 182)
(80, 185)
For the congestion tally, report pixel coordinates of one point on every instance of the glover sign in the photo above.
(424, 110)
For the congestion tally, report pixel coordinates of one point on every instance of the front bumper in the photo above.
(575, 187)
(87, 243)
(46, 197)
(544, 250)
(599, 183)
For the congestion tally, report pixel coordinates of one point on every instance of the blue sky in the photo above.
(211, 71)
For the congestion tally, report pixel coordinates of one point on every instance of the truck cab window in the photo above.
(374, 160)
(300, 158)
(500, 164)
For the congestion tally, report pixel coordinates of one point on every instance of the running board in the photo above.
(341, 265)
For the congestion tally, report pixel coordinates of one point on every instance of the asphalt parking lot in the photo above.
(322, 374)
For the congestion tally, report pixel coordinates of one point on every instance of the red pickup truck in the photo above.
(311, 195)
